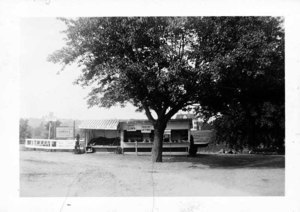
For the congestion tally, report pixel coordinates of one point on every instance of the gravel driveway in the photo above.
(58, 174)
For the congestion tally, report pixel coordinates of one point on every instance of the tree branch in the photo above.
(161, 112)
(148, 114)
(172, 112)
(182, 52)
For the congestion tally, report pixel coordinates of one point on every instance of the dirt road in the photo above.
(59, 174)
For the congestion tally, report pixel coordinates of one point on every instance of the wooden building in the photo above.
(135, 135)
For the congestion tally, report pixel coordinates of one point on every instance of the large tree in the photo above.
(144, 61)
(246, 59)
(164, 64)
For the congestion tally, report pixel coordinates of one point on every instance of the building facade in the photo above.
(135, 135)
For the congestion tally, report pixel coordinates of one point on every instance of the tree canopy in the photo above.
(164, 64)
(145, 61)
(246, 57)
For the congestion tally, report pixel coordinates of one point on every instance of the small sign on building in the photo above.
(146, 128)
(64, 132)
(167, 132)
(195, 124)
(131, 128)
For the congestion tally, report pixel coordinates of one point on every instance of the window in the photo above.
(133, 136)
(179, 135)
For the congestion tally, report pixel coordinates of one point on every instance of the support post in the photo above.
(85, 138)
(49, 131)
(54, 130)
(189, 142)
(122, 140)
(74, 130)
(136, 147)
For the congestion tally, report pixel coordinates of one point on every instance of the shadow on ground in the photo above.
(232, 161)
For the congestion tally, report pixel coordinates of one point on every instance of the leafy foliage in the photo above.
(164, 64)
(40, 131)
(246, 62)
(24, 130)
(146, 61)
(263, 129)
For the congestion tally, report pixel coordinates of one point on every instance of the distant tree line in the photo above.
(25, 131)
(41, 131)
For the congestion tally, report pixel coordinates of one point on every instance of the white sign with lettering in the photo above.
(66, 144)
(146, 128)
(167, 132)
(50, 144)
(64, 132)
(131, 128)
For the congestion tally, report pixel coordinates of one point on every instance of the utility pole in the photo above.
(49, 131)
(74, 129)
(50, 118)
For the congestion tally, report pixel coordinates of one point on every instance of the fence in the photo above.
(170, 148)
(50, 144)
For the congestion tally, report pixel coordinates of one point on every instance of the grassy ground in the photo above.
(60, 174)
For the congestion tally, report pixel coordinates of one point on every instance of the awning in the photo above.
(110, 124)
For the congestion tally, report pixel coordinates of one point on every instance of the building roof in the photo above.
(109, 124)
(114, 124)
(185, 116)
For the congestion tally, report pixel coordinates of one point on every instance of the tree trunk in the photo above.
(157, 147)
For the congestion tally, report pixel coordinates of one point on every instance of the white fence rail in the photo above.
(149, 145)
(50, 144)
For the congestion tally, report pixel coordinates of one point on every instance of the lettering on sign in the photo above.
(167, 132)
(66, 144)
(64, 132)
(146, 128)
(131, 128)
(195, 125)
(50, 144)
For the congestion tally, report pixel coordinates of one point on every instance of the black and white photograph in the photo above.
(153, 110)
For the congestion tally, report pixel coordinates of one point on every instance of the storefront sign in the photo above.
(131, 128)
(167, 132)
(195, 125)
(64, 132)
(65, 144)
(50, 144)
(146, 128)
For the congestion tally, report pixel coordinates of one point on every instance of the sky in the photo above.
(43, 88)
